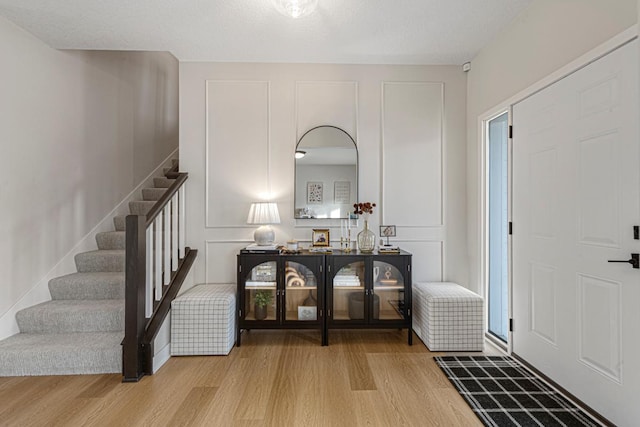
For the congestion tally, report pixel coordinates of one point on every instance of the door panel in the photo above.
(543, 301)
(599, 183)
(576, 197)
(599, 324)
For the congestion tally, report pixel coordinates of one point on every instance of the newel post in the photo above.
(135, 275)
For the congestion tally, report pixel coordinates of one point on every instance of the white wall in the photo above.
(78, 132)
(546, 36)
(239, 124)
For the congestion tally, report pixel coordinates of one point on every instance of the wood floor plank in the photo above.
(276, 378)
(192, 409)
(102, 385)
(360, 375)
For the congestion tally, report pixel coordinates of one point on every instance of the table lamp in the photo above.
(264, 213)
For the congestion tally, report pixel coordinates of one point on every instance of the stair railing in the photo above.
(157, 263)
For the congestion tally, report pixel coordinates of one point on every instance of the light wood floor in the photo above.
(277, 378)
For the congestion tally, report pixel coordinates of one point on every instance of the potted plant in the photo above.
(261, 300)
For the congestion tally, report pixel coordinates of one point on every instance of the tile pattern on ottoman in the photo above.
(448, 317)
(203, 321)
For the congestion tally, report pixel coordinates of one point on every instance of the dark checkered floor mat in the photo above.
(502, 392)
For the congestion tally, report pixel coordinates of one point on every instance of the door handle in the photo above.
(634, 261)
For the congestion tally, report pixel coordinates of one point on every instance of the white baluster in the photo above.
(148, 295)
(157, 225)
(181, 217)
(167, 243)
(174, 232)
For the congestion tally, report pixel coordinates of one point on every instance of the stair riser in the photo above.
(140, 207)
(162, 182)
(87, 362)
(88, 291)
(152, 193)
(66, 354)
(111, 240)
(91, 261)
(57, 322)
(119, 223)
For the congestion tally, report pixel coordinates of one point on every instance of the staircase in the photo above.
(81, 329)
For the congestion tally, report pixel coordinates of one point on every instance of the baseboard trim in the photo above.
(161, 357)
(40, 291)
(596, 415)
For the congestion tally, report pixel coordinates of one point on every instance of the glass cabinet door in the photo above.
(260, 301)
(348, 296)
(388, 292)
(300, 292)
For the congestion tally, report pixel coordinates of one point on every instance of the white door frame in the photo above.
(484, 215)
(598, 52)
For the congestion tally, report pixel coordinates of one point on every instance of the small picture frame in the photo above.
(307, 313)
(320, 237)
(314, 193)
(387, 231)
(341, 192)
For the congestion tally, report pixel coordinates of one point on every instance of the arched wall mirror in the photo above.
(326, 183)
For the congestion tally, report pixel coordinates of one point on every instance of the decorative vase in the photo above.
(366, 239)
(260, 312)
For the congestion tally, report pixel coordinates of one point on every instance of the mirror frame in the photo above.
(295, 174)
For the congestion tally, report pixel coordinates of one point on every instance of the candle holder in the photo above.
(345, 238)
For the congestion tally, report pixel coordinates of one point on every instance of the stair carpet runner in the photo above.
(81, 329)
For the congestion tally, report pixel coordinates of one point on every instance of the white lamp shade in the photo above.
(263, 213)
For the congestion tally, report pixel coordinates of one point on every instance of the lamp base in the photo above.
(264, 235)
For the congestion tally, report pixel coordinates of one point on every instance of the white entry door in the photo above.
(576, 198)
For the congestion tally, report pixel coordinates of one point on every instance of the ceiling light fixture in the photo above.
(295, 8)
(300, 154)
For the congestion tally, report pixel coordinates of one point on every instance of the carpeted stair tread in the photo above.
(153, 193)
(61, 354)
(65, 316)
(163, 182)
(111, 240)
(141, 207)
(174, 162)
(100, 260)
(95, 285)
(119, 222)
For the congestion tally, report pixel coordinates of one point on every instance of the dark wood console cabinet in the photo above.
(324, 291)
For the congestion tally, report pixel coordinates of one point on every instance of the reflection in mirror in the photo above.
(326, 184)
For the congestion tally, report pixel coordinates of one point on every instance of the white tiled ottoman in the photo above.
(203, 321)
(448, 317)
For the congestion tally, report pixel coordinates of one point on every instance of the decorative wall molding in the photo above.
(302, 96)
(233, 106)
(402, 103)
(227, 250)
(326, 109)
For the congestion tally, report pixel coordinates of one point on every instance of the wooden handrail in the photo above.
(162, 201)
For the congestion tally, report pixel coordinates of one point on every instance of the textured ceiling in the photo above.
(339, 31)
